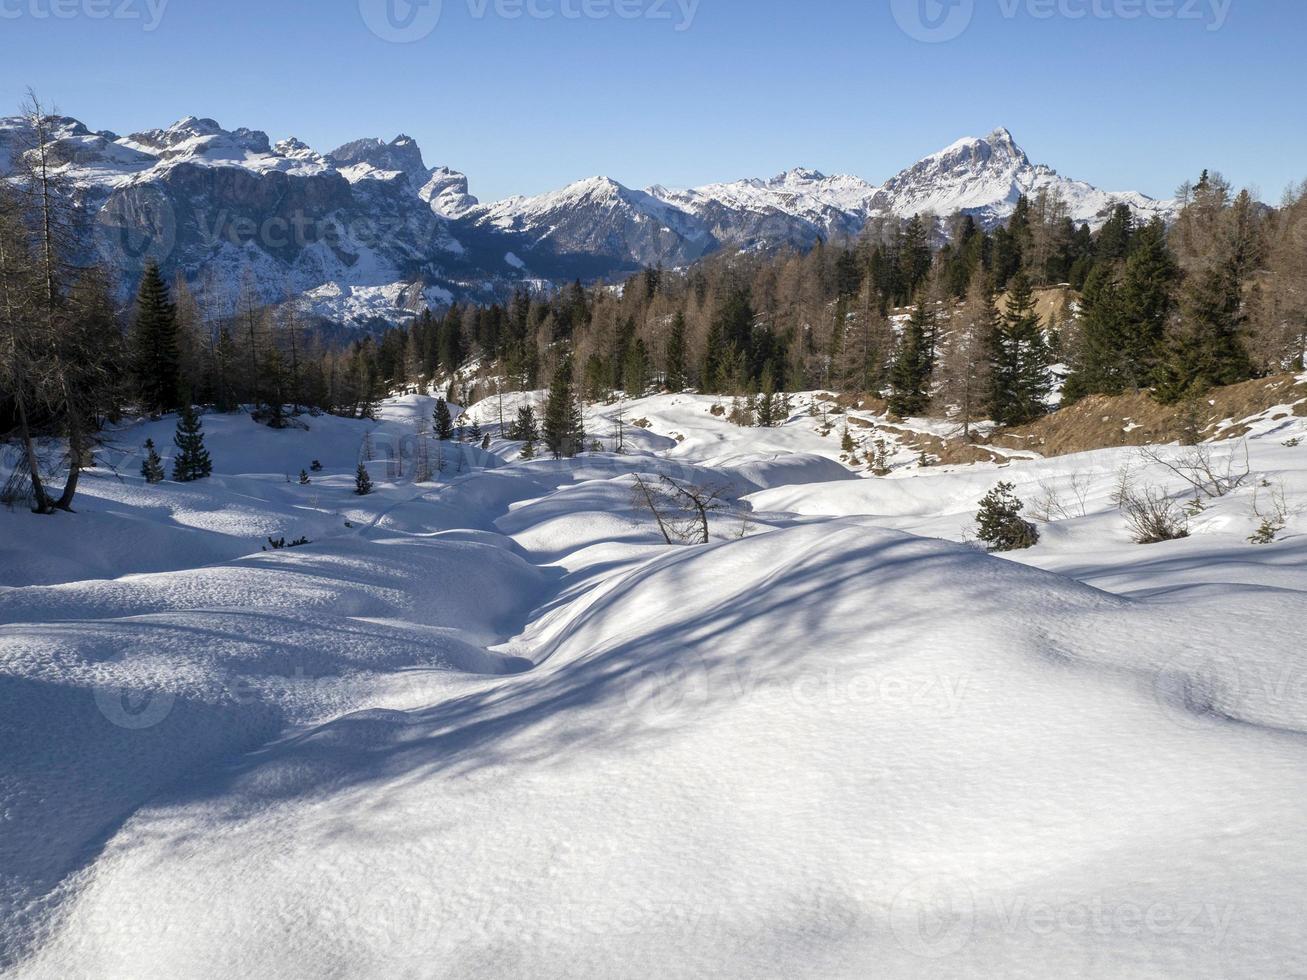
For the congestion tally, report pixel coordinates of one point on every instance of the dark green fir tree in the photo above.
(192, 461)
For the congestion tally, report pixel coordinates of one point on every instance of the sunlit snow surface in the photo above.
(496, 727)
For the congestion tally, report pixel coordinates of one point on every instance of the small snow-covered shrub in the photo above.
(1153, 517)
(1002, 528)
(277, 544)
(1273, 515)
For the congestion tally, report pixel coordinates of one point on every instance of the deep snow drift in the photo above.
(494, 726)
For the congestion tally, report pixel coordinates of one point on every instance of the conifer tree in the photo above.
(192, 461)
(304, 478)
(564, 431)
(526, 428)
(1001, 525)
(1019, 382)
(155, 345)
(152, 468)
(913, 364)
(444, 421)
(474, 432)
(1205, 348)
(767, 411)
(362, 481)
(1124, 321)
(676, 356)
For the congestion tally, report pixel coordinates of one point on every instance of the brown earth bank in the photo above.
(1095, 422)
(1106, 421)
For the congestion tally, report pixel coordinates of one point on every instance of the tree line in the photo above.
(938, 316)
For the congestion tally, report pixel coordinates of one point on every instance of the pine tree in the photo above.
(636, 373)
(676, 356)
(474, 432)
(152, 468)
(362, 481)
(1205, 349)
(304, 478)
(564, 431)
(1019, 382)
(913, 364)
(444, 421)
(192, 461)
(526, 428)
(1124, 320)
(529, 450)
(155, 345)
(1001, 524)
(768, 409)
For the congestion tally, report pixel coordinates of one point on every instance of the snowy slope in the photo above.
(494, 726)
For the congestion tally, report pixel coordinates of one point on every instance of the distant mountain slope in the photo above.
(369, 230)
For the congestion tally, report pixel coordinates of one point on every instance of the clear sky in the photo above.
(1128, 94)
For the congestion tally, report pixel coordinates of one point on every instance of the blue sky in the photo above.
(1128, 94)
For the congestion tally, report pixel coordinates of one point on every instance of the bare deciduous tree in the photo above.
(681, 509)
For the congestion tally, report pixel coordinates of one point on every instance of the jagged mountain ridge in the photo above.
(369, 230)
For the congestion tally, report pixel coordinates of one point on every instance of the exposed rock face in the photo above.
(370, 230)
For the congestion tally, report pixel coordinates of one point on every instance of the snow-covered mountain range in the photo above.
(371, 230)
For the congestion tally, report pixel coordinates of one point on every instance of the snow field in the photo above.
(498, 728)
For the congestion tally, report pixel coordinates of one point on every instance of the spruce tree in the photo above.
(526, 428)
(1205, 349)
(1124, 319)
(192, 461)
(1018, 355)
(676, 356)
(444, 421)
(564, 431)
(474, 432)
(362, 481)
(1001, 525)
(152, 468)
(155, 344)
(767, 402)
(913, 364)
(304, 478)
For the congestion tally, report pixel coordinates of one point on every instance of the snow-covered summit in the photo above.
(986, 177)
(198, 176)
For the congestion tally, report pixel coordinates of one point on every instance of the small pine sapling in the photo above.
(362, 481)
(1002, 527)
(152, 468)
